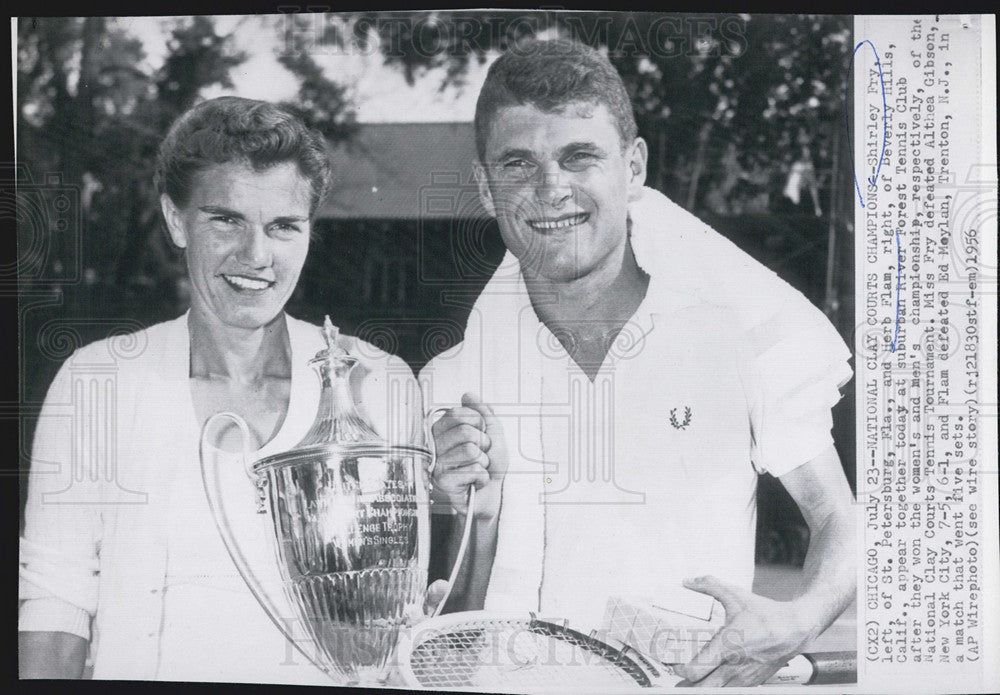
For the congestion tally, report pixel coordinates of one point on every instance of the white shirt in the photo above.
(664, 433)
(202, 584)
(117, 528)
(646, 476)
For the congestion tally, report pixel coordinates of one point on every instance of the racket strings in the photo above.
(518, 654)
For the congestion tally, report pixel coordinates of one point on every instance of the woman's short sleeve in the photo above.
(58, 576)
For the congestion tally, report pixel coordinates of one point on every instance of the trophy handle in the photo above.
(470, 509)
(210, 479)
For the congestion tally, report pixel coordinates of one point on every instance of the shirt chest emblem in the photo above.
(680, 423)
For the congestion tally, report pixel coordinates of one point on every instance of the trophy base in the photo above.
(354, 618)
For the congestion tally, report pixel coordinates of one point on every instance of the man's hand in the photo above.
(471, 450)
(435, 593)
(759, 637)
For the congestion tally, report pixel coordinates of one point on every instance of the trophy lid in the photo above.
(339, 425)
(338, 420)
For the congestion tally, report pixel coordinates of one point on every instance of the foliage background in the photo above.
(726, 103)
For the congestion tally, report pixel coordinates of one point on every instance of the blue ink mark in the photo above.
(885, 119)
(899, 271)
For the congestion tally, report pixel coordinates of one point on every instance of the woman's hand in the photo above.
(471, 450)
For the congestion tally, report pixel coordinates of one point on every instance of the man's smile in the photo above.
(243, 282)
(551, 224)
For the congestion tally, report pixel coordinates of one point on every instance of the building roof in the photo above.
(404, 171)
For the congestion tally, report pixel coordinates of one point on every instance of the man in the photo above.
(624, 376)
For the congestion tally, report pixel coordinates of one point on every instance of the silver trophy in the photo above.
(349, 523)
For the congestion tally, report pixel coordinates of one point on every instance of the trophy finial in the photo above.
(337, 419)
(330, 331)
(333, 350)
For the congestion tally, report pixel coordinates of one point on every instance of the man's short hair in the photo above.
(549, 74)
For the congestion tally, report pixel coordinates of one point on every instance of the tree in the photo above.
(89, 112)
(725, 103)
(90, 109)
(699, 82)
(322, 103)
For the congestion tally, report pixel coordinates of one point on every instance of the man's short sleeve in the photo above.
(798, 363)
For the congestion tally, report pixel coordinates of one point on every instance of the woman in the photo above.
(129, 563)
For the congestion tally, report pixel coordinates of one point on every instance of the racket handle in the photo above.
(833, 667)
(469, 514)
(798, 671)
(462, 547)
(818, 668)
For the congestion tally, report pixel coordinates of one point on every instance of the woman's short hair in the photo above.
(234, 129)
(549, 74)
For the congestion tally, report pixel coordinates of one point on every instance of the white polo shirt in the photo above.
(651, 479)
(647, 475)
(639, 478)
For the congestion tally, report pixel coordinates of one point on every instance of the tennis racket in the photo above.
(494, 651)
